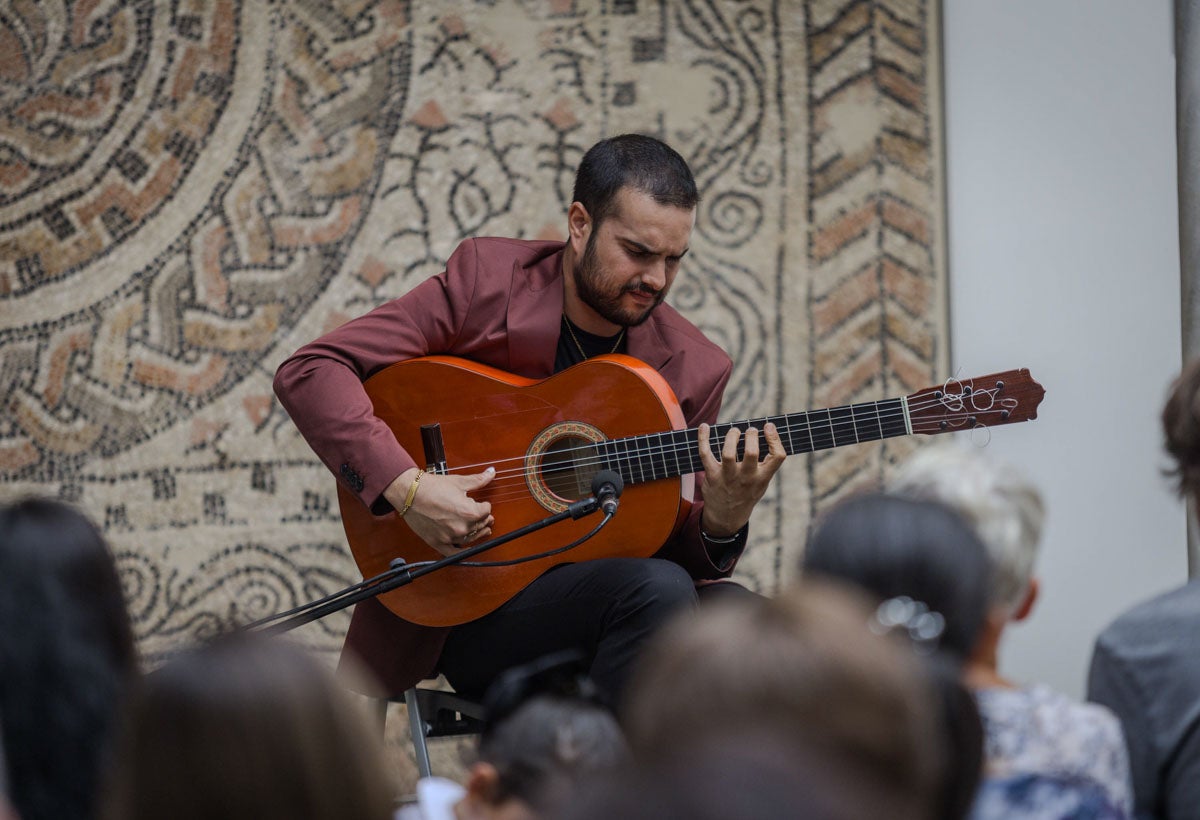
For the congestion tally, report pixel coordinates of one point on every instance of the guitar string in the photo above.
(687, 445)
(833, 428)
(515, 484)
(688, 442)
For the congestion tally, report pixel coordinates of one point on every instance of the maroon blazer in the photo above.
(499, 302)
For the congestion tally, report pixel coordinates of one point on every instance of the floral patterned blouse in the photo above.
(1045, 753)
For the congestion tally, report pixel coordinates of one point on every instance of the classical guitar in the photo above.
(548, 438)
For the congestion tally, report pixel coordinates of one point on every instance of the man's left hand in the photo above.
(732, 487)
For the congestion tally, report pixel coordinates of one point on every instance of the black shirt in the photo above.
(569, 352)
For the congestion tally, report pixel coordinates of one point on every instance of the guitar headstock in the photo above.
(982, 401)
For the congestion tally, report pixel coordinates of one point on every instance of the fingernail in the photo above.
(490, 470)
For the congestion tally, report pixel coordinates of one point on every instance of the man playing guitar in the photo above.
(534, 308)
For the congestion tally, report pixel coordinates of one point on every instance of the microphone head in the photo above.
(612, 479)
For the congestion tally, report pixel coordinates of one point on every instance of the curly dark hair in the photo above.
(1181, 430)
(67, 655)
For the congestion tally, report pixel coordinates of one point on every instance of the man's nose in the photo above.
(655, 275)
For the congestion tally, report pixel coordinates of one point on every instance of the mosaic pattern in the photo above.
(191, 189)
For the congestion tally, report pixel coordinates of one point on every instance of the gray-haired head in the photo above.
(1003, 507)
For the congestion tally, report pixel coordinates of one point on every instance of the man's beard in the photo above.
(607, 303)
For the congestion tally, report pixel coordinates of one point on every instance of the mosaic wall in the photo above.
(190, 189)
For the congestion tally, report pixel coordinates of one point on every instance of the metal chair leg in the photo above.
(419, 730)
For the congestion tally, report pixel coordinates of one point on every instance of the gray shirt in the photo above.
(1146, 668)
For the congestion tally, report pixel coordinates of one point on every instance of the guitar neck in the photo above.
(668, 455)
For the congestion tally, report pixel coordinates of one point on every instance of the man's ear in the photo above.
(579, 227)
(1031, 595)
(483, 783)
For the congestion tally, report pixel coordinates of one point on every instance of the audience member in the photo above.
(67, 655)
(545, 733)
(1146, 664)
(1052, 797)
(802, 672)
(922, 558)
(246, 727)
(1029, 730)
(757, 775)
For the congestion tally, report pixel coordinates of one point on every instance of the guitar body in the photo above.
(538, 436)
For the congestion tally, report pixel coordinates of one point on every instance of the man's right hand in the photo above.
(442, 514)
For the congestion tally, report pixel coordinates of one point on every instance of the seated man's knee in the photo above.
(663, 583)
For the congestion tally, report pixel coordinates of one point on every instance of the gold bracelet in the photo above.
(412, 493)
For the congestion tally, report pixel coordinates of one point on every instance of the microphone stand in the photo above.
(402, 574)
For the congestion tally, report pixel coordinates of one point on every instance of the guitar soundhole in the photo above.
(561, 462)
(568, 466)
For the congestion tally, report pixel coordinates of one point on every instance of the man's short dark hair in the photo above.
(640, 162)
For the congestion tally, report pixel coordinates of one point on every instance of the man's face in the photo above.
(631, 258)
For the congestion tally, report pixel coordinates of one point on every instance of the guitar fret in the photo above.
(675, 453)
(646, 456)
(787, 434)
(695, 465)
(808, 429)
(630, 463)
(605, 458)
(841, 421)
(824, 436)
(892, 419)
(655, 456)
(760, 425)
(641, 465)
(621, 452)
(866, 421)
(716, 435)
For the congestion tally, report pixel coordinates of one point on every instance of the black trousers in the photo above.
(607, 608)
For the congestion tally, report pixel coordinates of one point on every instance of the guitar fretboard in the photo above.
(668, 455)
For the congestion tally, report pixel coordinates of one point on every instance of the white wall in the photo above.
(1064, 258)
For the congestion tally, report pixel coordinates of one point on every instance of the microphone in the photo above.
(607, 486)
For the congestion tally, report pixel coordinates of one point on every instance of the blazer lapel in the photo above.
(534, 310)
(646, 342)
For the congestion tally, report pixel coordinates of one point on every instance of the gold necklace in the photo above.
(579, 347)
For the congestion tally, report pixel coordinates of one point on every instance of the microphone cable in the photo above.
(398, 569)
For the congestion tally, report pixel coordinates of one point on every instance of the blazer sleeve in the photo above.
(321, 384)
